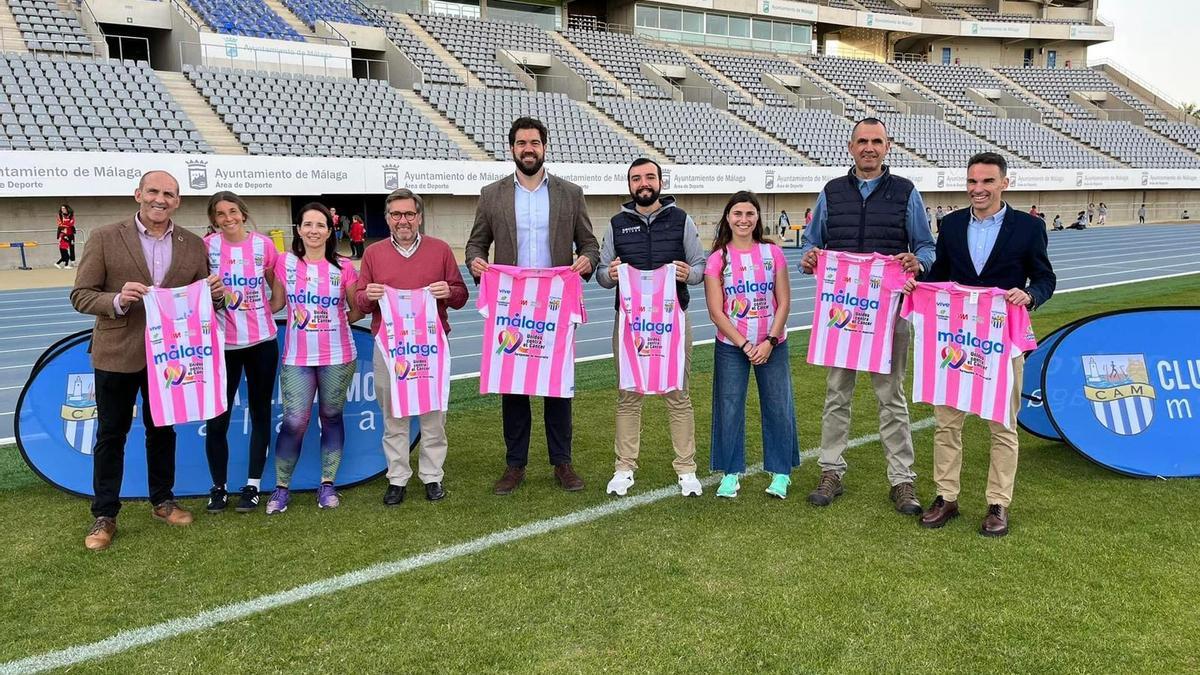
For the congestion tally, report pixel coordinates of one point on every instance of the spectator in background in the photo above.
(1058, 221)
(938, 215)
(1080, 221)
(1091, 212)
(1103, 213)
(785, 223)
(64, 261)
(928, 214)
(1033, 211)
(337, 225)
(358, 234)
(1185, 215)
(66, 227)
(807, 217)
(1142, 214)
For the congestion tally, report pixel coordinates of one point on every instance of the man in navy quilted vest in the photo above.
(870, 210)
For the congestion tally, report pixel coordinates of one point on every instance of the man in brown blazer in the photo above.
(534, 220)
(119, 264)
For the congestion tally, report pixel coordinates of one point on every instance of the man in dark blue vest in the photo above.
(870, 210)
(989, 245)
(646, 234)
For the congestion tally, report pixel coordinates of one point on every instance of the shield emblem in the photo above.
(391, 177)
(1118, 388)
(79, 412)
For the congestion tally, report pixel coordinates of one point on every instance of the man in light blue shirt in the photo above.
(981, 236)
(870, 210)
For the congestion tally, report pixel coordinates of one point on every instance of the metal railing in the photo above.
(281, 61)
(1141, 82)
(186, 13)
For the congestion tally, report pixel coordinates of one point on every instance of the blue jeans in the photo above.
(731, 377)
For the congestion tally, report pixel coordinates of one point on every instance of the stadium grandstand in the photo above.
(418, 92)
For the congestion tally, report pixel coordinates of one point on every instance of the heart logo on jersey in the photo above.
(234, 299)
(953, 357)
(174, 373)
(509, 339)
(402, 368)
(838, 317)
(638, 343)
(740, 308)
(300, 318)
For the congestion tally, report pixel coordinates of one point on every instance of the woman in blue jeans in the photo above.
(748, 295)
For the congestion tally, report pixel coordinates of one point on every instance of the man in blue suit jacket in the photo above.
(989, 245)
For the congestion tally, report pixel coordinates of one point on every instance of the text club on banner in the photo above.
(1032, 415)
(1124, 390)
(56, 430)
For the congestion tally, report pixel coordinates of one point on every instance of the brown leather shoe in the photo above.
(172, 514)
(567, 478)
(939, 513)
(904, 496)
(996, 523)
(828, 488)
(101, 534)
(513, 476)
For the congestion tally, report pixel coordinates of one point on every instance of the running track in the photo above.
(31, 320)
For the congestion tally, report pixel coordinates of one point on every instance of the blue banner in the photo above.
(56, 430)
(1032, 415)
(1124, 390)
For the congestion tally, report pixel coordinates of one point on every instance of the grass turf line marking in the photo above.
(138, 637)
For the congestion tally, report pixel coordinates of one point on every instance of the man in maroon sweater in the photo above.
(406, 261)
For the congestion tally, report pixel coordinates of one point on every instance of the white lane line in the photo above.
(1126, 262)
(139, 637)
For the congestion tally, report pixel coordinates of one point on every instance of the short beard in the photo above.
(646, 201)
(529, 172)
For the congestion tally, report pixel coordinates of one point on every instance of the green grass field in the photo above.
(1099, 573)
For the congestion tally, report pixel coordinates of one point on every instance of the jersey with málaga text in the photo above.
(650, 348)
(748, 281)
(247, 315)
(529, 323)
(185, 355)
(964, 342)
(416, 352)
(854, 318)
(318, 329)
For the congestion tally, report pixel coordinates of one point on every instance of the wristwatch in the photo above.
(773, 340)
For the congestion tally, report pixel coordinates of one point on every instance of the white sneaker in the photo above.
(620, 483)
(59, 265)
(689, 485)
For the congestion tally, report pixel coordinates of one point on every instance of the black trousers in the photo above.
(116, 394)
(518, 422)
(260, 363)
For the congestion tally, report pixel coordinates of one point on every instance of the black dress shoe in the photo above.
(434, 492)
(394, 495)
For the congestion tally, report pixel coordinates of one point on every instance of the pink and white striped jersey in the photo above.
(185, 355)
(318, 332)
(416, 352)
(854, 318)
(965, 339)
(650, 349)
(529, 330)
(749, 284)
(247, 314)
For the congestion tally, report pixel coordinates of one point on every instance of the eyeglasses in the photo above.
(403, 215)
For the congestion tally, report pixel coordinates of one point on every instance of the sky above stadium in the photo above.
(1154, 42)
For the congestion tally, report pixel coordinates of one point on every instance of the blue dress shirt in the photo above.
(981, 236)
(533, 223)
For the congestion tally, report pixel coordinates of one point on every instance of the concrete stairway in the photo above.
(646, 149)
(622, 88)
(438, 50)
(211, 127)
(289, 18)
(701, 64)
(447, 127)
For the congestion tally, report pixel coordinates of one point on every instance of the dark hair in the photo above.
(725, 232)
(869, 120)
(70, 211)
(526, 123)
(642, 161)
(330, 243)
(356, 218)
(993, 158)
(405, 193)
(226, 196)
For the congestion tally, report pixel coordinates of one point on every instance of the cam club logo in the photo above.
(79, 412)
(510, 340)
(233, 300)
(740, 308)
(197, 174)
(1118, 387)
(403, 368)
(838, 317)
(955, 358)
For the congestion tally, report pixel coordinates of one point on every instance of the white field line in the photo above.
(139, 637)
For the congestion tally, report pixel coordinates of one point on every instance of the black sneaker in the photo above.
(248, 501)
(218, 499)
